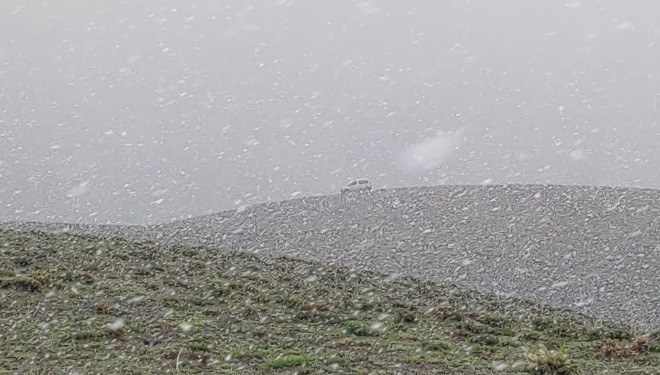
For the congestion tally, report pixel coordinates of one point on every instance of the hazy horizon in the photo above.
(145, 112)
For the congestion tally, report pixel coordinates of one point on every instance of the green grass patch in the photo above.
(81, 304)
(288, 360)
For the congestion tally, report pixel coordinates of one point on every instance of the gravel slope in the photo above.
(592, 249)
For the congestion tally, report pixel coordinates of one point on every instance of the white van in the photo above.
(359, 185)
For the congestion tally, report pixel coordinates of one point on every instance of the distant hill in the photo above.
(589, 248)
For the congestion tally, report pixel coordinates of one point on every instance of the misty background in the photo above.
(148, 111)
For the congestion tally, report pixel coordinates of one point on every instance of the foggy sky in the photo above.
(152, 110)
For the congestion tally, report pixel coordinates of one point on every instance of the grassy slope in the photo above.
(71, 303)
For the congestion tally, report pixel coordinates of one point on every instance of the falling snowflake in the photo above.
(79, 190)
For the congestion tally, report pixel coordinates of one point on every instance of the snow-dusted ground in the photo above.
(590, 249)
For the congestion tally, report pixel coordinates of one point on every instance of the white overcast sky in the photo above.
(147, 111)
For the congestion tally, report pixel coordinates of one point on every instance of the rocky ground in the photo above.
(592, 249)
(78, 304)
